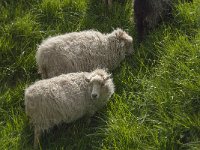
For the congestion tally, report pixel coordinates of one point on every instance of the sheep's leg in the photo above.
(109, 3)
(36, 137)
(89, 116)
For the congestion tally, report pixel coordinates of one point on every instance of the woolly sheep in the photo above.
(82, 51)
(66, 98)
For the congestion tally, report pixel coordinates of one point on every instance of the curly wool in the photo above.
(65, 98)
(82, 51)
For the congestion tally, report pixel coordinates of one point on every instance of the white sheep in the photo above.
(66, 98)
(82, 51)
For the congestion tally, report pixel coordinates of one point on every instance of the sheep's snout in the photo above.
(94, 96)
(95, 91)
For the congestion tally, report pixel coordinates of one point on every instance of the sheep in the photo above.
(148, 13)
(66, 98)
(109, 2)
(82, 51)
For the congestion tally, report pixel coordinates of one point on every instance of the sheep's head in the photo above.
(101, 85)
(125, 40)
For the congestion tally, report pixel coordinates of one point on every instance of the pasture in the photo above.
(157, 99)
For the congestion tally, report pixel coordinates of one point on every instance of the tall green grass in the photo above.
(156, 104)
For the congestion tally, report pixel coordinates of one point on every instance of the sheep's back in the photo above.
(49, 102)
(72, 52)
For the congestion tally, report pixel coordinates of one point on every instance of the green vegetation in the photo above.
(157, 99)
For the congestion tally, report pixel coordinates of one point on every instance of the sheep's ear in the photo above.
(122, 35)
(119, 33)
(87, 79)
(108, 77)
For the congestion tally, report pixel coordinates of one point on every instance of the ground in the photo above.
(157, 99)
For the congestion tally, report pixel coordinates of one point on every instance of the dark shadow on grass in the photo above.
(77, 135)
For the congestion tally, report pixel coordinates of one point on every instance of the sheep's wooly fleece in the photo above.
(82, 51)
(66, 98)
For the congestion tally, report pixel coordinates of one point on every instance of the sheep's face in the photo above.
(126, 41)
(97, 83)
(129, 47)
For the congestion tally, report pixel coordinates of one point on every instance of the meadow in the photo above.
(157, 100)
